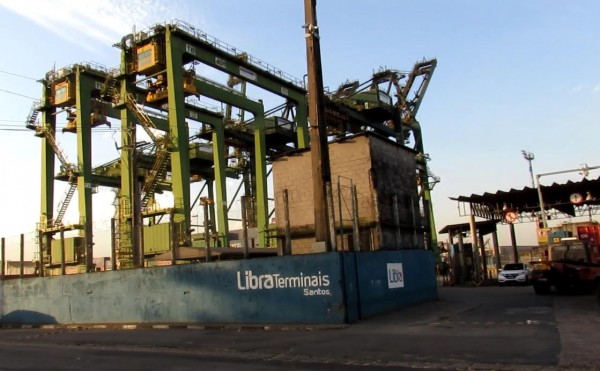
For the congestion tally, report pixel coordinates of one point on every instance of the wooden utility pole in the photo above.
(321, 172)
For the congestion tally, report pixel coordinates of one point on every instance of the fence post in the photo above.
(63, 268)
(3, 257)
(287, 248)
(22, 253)
(355, 236)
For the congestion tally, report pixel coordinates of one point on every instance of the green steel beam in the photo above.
(179, 134)
(427, 203)
(260, 154)
(210, 55)
(426, 196)
(211, 206)
(220, 166)
(48, 119)
(83, 89)
(128, 240)
(260, 157)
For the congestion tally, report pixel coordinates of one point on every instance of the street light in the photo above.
(529, 157)
(583, 170)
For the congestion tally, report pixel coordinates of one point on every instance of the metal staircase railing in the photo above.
(33, 115)
(62, 206)
(125, 248)
(49, 134)
(157, 173)
(143, 118)
(162, 149)
(68, 167)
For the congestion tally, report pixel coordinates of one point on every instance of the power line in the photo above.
(17, 75)
(20, 95)
(11, 125)
(16, 129)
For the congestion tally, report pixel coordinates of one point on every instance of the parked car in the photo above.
(514, 273)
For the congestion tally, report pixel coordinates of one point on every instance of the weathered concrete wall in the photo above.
(350, 162)
(317, 288)
(393, 177)
(379, 169)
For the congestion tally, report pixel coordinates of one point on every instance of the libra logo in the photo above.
(395, 275)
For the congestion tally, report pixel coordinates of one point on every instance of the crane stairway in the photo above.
(157, 173)
(143, 118)
(47, 132)
(33, 115)
(162, 149)
(62, 206)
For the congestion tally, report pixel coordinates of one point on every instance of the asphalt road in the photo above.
(485, 328)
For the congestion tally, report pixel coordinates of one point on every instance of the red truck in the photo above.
(575, 264)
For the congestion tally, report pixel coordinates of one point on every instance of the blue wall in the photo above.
(327, 288)
(382, 287)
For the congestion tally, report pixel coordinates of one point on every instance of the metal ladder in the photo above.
(124, 249)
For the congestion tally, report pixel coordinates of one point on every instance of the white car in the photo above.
(514, 273)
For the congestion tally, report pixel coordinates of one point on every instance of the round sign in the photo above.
(511, 216)
(576, 198)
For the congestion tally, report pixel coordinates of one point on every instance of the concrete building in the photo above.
(384, 174)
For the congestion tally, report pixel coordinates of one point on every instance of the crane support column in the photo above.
(48, 161)
(220, 164)
(83, 89)
(260, 162)
(179, 134)
(129, 200)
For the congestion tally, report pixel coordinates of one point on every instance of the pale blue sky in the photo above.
(511, 75)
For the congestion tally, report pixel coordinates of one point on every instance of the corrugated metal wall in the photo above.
(389, 280)
(293, 289)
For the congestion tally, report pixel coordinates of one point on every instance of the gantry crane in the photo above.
(163, 57)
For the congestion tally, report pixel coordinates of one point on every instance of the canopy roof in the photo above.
(483, 228)
(560, 198)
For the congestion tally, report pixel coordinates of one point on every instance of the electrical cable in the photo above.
(17, 75)
(20, 95)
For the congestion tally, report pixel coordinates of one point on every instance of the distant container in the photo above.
(157, 238)
(13, 268)
(74, 250)
(555, 238)
(589, 234)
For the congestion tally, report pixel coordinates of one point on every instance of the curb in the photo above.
(170, 326)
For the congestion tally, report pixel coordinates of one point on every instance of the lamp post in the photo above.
(529, 157)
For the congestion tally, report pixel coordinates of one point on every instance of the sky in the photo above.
(512, 75)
